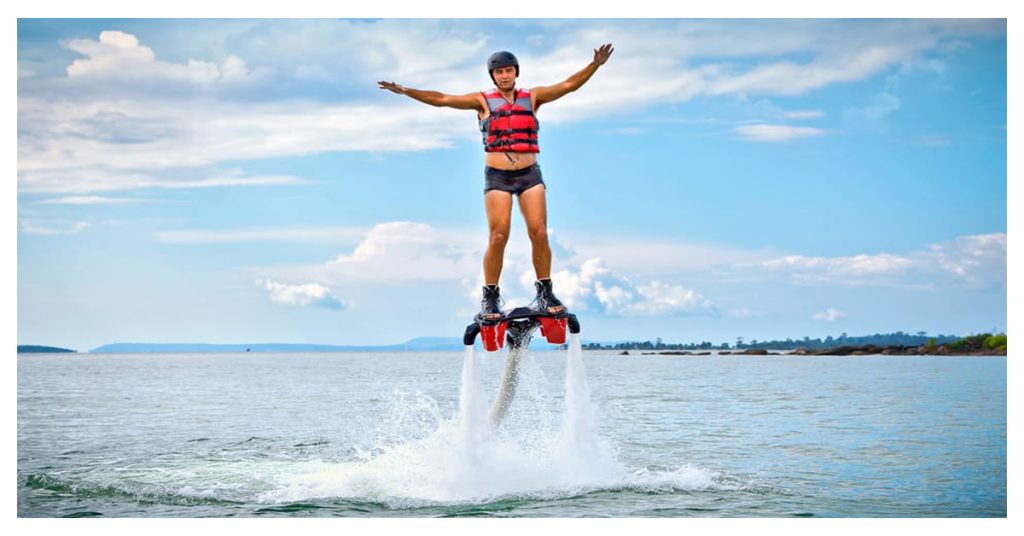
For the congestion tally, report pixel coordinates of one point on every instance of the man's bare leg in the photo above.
(533, 204)
(498, 205)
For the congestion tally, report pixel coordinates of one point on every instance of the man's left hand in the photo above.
(602, 54)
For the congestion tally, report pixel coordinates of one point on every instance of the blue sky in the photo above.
(246, 181)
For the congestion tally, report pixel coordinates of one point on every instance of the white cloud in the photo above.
(593, 286)
(77, 141)
(745, 312)
(409, 251)
(393, 252)
(828, 268)
(36, 228)
(652, 258)
(679, 60)
(119, 56)
(88, 200)
(308, 294)
(72, 148)
(789, 78)
(801, 114)
(829, 315)
(880, 106)
(767, 110)
(234, 69)
(399, 253)
(776, 133)
(977, 260)
(86, 179)
(227, 180)
(323, 235)
(432, 53)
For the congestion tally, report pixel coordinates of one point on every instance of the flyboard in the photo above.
(517, 327)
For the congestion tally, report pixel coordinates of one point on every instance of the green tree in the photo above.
(995, 342)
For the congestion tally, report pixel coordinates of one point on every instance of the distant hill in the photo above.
(203, 348)
(419, 344)
(32, 349)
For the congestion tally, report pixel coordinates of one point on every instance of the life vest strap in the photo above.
(504, 113)
(502, 132)
(509, 141)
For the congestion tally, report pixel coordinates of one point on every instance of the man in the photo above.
(509, 126)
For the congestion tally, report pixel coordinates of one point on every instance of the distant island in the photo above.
(898, 338)
(974, 345)
(32, 349)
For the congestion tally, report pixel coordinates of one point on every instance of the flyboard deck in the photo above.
(517, 327)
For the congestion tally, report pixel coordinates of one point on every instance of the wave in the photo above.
(362, 488)
(87, 489)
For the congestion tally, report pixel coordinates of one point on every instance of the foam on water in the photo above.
(467, 461)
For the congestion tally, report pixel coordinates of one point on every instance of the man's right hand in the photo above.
(391, 86)
(471, 101)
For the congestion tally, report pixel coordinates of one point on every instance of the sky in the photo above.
(246, 181)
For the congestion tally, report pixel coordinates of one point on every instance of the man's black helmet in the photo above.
(501, 59)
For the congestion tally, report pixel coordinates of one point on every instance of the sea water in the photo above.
(588, 434)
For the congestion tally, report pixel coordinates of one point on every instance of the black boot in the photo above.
(546, 300)
(490, 306)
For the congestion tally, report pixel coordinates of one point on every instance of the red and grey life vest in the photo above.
(511, 126)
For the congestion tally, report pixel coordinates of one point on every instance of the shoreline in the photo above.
(865, 350)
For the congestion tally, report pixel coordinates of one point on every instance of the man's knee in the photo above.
(498, 238)
(539, 234)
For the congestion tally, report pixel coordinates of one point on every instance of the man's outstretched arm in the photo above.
(550, 93)
(469, 101)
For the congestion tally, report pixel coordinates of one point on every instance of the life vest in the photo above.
(510, 127)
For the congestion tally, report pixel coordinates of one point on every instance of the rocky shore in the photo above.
(981, 344)
(869, 349)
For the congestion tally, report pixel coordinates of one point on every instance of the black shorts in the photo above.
(512, 181)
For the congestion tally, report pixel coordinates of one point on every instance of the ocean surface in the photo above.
(588, 434)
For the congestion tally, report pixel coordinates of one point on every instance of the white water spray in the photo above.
(473, 422)
(467, 459)
(581, 446)
(509, 383)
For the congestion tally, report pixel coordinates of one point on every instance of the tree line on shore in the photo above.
(898, 338)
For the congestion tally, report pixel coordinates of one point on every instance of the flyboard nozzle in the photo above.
(472, 331)
(520, 333)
